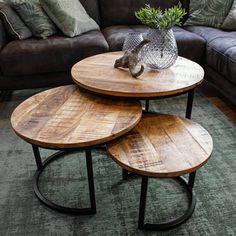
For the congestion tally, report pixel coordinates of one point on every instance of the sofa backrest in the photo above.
(185, 5)
(92, 8)
(121, 12)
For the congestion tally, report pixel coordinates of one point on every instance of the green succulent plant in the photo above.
(160, 19)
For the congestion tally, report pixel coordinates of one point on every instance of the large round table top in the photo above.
(163, 146)
(97, 74)
(66, 117)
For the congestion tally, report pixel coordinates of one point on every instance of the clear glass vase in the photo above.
(162, 51)
(132, 40)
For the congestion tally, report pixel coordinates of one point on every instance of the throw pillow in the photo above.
(230, 21)
(69, 16)
(13, 24)
(208, 12)
(34, 17)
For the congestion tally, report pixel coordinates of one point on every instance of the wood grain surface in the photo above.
(97, 74)
(163, 146)
(66, 117)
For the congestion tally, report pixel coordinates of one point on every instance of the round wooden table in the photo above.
(163, 146)
(97, 74)
(66, 118)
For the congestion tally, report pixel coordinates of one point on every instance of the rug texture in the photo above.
(65, 182)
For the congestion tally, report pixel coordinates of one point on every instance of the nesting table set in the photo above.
(104, 109)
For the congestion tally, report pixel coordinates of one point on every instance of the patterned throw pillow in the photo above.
(13, 24)
(70, 16)
(230, 21)
(34, 17)
(208, 12)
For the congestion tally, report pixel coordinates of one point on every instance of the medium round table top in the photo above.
(163, 146)
(66, 117)
(97, 74)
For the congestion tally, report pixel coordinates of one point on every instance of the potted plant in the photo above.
(161, 52)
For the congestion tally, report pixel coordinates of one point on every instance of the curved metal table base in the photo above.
(173, 223)
(42, 165)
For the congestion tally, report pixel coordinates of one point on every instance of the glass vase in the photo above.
(162, 51)
(132, 40)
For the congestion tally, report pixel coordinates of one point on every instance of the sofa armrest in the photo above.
(3, 36)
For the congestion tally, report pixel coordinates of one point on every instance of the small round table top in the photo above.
(97, 74)
(163, 146)
(66, 117)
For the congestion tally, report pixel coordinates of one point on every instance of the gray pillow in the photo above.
(208, 12)
(69, 16)
(13, 24)
(230, 21)
(34, 17)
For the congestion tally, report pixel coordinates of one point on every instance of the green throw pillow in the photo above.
(34, 17)
(69, 16)
(208, 12)
(13, 24)
(230, 21)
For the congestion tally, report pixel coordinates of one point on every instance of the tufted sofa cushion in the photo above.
(220, 50)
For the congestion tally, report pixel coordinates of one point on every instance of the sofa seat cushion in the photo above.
(55, 54)
(189, 44)
(220, 51)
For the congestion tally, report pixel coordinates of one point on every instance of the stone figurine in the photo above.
(130, 60)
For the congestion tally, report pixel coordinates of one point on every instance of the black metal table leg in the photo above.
(146, 105)
(91, 181)
(142, 204)
(126, 174)
(172, 223)
(37, 157)
(189, 104)
(191, 179)
(41, 166)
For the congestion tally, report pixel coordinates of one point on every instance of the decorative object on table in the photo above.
(130, 59)
(162, 51)
(132, 40)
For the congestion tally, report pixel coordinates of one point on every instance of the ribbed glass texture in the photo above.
(131, 41)
(162, 51)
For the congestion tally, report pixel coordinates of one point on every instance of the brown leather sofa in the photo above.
(35, 63)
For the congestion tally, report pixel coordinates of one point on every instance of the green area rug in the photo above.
(65, 182)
